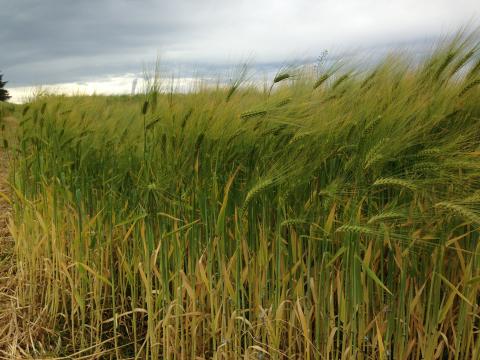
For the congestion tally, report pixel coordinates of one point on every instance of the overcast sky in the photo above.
(65, 41)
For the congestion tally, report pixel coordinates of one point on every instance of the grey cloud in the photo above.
(52, 41)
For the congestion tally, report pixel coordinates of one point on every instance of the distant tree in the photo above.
(4, 95)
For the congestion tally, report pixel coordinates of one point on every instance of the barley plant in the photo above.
(330, 215)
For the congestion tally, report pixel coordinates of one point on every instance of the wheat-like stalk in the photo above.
(469, 87)
(375, 154)
(354, 229)
(255, 191)
(388, 215)
(460, 210)
(395, 182)
(253, 114)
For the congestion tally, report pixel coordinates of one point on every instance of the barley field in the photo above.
(332, 214)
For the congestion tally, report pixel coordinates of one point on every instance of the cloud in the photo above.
(112, 85)
(52, 41)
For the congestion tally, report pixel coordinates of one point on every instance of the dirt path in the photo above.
(7, 265)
